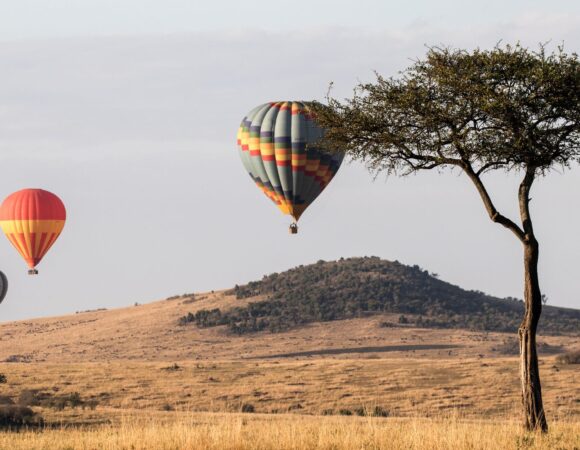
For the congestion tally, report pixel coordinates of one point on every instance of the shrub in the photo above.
(18, 359)
(379, 411)
(5, 400)
(17, 415)
(184, 320)
(74, 399)
(59, 403)
(345, 412)
(91, 404)
(248, 408)
(3, 379)
(357, 287)
(28, 397)
(569, 358)
(511, 347)
(34, 397)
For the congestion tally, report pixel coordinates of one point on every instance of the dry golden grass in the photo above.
(150, 333)
(456, 398)
(405, 387)
(235, 431)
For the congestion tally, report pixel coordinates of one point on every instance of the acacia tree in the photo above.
(508, 108)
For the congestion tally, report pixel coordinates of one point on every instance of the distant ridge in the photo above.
(357, 287)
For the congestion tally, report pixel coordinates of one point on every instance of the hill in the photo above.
(140, 359)
(358, 287)
(353, 306)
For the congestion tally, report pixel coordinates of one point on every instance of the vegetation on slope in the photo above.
(357, 287)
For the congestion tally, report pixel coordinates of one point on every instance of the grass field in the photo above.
(164, 431)
(144, 382)
(404, 387)
(150, 332)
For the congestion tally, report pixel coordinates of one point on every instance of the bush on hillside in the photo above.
(17, 416)
(35, 397)
(569, 358)
(358, 287)
(5, 400)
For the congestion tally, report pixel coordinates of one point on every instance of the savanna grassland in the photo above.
(218, 431)
(140, 378)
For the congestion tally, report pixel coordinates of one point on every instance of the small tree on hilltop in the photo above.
(508, 109)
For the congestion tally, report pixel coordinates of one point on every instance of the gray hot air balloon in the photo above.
(277, 144)
(3, 286)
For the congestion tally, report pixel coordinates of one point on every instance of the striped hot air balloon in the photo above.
(3, 286)
(276, 142)
(32, 220)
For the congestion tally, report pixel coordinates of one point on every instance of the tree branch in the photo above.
(493, 213)
(524, 200)
(490, 165)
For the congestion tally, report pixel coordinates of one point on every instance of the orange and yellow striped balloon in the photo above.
(278, 145)
(32, 220)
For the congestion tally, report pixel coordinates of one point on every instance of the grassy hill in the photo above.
(138, 359)
(358, 287)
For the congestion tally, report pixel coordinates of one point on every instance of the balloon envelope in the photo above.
(3, 286)
(32, 220)
(276, 142)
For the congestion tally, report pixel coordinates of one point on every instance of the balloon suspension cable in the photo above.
(293, 229)
(33, 272)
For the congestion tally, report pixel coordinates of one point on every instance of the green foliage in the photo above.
(358, 287)
(204, 318)
(182, 296)
(508, 107)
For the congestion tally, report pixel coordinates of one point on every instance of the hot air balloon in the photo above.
(32, 220)
(277, 144)
(3, 286)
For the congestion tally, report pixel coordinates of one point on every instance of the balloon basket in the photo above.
(293, 229)
(33, 272)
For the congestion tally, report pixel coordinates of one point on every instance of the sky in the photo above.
(128, 110)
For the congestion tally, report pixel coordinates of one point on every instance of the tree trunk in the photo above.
(534, 417)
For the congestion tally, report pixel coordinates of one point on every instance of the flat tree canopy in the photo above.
(502, 108)
(508, 108)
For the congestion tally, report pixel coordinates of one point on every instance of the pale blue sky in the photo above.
(128, 111)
